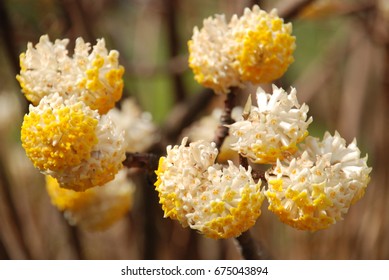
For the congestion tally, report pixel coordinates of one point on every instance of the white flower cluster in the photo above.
(272, 129)
(256, 47)
(95, 77)
(213, 66)
(140, 133)
(316, 188)
(220, 202)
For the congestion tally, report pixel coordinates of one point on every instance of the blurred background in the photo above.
(341, 71)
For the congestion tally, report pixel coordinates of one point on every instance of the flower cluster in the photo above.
(97, 208)
(64, 134)
(140, 133)
(67, 134)
(94, 78)
(272, 129)
(311, 184)
(316, 188)
(218, 201)
(256, 47)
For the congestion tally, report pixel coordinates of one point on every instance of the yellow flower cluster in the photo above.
(256, 47)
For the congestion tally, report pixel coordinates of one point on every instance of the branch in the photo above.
(249, 248)
(146, 161)
(225, 119)
(173, 40)
(288, 12)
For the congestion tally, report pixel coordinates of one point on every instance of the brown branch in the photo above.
(250, 250)
(7, 31)
(225, 119)
(146, 161)
(77, 20)
(174, 47)
(290, 11)
(183, 114)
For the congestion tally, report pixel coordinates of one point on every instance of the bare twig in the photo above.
(225, 119)
(174, 47)
(183, 114)
(249, 248)
(7, 32)
(290, 11)
(77, 19)
(74, 235)
(146, 161)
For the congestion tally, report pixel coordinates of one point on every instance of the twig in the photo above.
(146, 161)
(173, 39)
(7, 32)
(3, 251)
(225, 119)
(183, 114)
(74, 235)
(249, 248)
(288, 12)
(77, 19)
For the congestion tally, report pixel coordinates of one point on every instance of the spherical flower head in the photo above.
(66, 139)
(218, 201)
(59, 133)
(315, 189)
(272, 129)
(264, 45)
(94, 78)
(140, 131)
(97, 208)
(211, 55)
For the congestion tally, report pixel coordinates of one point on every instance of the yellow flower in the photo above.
(71, 142)
(94, 78)
(97, 208)
(264, 45)
(218, 201)
(315, 189)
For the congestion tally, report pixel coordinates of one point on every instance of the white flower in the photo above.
(218, 201)
(140, 131)
(315, 189)
(211, 55)
(95, 78)
(272, 130)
